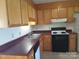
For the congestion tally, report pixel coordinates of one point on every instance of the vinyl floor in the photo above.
(52, 55)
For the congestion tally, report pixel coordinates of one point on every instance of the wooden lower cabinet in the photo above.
(29, 56)
(45, 42)
(72, 43)
(12, 57)
(41, 43)
(15, 57)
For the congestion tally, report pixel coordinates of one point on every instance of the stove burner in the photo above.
(54, 32)
(63, 32)
(59, 31)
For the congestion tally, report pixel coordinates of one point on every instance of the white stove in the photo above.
(59, 39)
(59, 33)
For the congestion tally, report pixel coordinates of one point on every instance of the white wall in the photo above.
(49, 26)
(9, 34)
(46, 1)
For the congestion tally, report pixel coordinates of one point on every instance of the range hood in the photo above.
(59, 20)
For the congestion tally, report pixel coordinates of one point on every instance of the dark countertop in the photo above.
(49, 31)
(21, 46)
(41, 31)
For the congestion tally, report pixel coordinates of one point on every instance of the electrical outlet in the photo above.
(19, 33)
(12, 35)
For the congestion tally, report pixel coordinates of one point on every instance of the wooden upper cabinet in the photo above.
(34, 14)
(47, 15)
(59, 13)
(62, 12)
(77, 9)
(54, 13)
(24, 12)
(40, 16)
(14, 12)
(30, 10)
(10, 13)
(70, 14)
(34, 11)
(3, 14)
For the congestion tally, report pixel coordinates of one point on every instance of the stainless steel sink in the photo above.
(33, 36)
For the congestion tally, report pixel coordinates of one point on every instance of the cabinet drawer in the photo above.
(72, 45)
(72, 42)
(72, 36)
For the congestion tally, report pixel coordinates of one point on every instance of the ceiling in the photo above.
(46, 1)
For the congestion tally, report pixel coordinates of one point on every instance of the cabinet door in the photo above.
(54, 13)
(14, 12)
(77, 9)
(24, 11)
(12, 57)
(47, 45)
(41, 43)
(30, 10)
(40, 16)
(72, 43)
(70, 14)
(47, 15)
(62, 12)
(33, 18)
(34, 14)
(31, 54)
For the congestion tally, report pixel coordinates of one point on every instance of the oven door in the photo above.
(60, 43)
